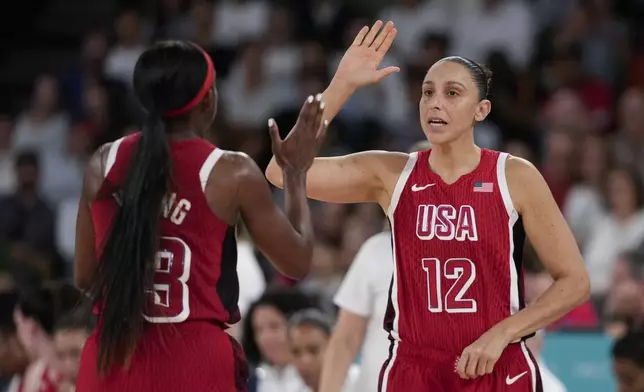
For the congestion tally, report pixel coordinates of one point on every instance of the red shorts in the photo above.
(186, 357)
(410, 370)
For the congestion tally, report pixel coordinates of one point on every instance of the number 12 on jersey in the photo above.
(462, 273)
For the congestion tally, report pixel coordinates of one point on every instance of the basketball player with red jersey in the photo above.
(155, 240)
(458, 215)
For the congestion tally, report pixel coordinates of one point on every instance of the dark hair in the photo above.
(27, 158)
(630, 347)
(167, 77)
(481, 75)
(74, 320)
(313, 318)
(38, 304)
(636, 182)
(635, 262)
(286, 301)
(8, 301)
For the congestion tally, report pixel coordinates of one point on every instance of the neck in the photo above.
(454, 159)
(180, 130)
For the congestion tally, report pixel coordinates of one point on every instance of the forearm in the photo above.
(564, 295)
(335, 96)
(299, 215)
(337, 360)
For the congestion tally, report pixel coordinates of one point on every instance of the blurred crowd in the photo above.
(567, 93)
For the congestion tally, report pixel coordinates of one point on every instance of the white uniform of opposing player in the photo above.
(364, 291)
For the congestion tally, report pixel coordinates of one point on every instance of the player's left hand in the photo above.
(479, 357)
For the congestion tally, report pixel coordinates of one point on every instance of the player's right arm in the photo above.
(355, 178)
(360, 177)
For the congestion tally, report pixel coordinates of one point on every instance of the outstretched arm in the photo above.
(357, 177)
(286, 240)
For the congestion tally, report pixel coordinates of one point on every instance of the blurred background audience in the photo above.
(567, 92)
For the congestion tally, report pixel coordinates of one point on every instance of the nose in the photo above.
(434, 102)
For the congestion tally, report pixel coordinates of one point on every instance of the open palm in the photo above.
(359, 65)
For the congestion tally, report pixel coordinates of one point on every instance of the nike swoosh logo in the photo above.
(416, 188)
(514, 379)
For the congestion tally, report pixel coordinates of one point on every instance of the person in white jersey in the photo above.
(362, 300)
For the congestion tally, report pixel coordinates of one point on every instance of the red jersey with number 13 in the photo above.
(457, 254)
(196, 264)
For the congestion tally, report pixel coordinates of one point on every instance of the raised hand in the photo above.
(298, 150)
(359, 65)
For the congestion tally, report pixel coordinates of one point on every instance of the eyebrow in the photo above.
(451, 82)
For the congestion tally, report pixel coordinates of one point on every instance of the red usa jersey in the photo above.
(457, 255)
(196, 264)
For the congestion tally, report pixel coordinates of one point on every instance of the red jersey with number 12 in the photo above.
(196, 264)
(457, 254)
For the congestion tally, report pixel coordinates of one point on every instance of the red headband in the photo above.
(210, 78)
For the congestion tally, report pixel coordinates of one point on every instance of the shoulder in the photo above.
(238, 165)
(525, 182)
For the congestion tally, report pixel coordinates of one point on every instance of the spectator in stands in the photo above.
(309, 334)
(584, 206)
(35, 316)
(625, 302)
(120, 61)
(70, 333)
(629, 143)
(26, 220)
(628, 361)
(265, 340)
(42, 127)
(621, 230)
(13, 359)
(7, 177)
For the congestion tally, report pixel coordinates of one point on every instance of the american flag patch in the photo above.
(483, 187)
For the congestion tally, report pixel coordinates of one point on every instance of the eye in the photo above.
(452, 93)
(428, 93)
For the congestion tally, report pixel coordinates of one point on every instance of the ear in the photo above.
(483, 109)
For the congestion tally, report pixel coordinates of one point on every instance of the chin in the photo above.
(438, 138)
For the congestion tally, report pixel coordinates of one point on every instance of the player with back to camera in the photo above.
(459, 214)
(155, 239)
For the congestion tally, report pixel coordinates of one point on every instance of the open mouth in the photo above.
(436, 122)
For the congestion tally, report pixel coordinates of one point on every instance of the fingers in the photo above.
(372, 33)
(274, 132)
(360, 37)
(321, 136)
(307, 112)
(383, 34)
(317, 121)
(383, 73)
(387, 41)
(473, 364)
(481, 368)
(462, 365)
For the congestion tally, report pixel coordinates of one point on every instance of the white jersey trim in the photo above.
(111, 156)
(395, 198)
(400, 184)
(208, 165)
(513, 217)
(531, 365)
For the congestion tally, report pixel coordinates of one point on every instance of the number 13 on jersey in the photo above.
(461, 273)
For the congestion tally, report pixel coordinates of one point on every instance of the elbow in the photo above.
(580, 283)
(274, 174)
(82, 282)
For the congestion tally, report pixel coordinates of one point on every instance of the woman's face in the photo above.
(450, 103)
(593, 159)
(621, 194)
(270, 329)
(308, 345)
